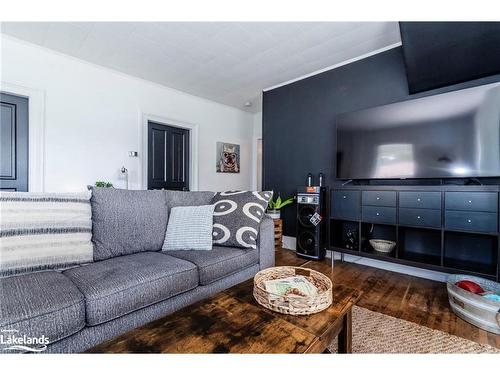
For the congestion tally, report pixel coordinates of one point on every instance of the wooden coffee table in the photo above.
(232, 322)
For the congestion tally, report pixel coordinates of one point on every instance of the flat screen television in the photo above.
(451, 135)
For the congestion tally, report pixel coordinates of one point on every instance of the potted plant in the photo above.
(103, 184)
(274, 206)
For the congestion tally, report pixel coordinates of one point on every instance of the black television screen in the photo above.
(450, 135)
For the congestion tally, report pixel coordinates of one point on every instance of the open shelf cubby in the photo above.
(377, 231)
(342, 231)
(471, 252)
(420, 245)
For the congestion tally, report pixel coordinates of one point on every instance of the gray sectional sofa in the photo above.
(82, 306)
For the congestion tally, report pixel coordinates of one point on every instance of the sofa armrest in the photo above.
(265, 243)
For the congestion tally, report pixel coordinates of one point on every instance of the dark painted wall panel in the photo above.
(299, 118)
(444, 53)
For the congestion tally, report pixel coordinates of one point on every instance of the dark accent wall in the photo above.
(439, 54)
(298, 120)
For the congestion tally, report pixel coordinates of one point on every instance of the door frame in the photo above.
(36, 132)
(193, 147)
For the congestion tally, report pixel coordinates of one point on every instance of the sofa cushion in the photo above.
(41, 303)
(219, 262)
(118, 286)
(127, 221)
(237, 217)
(44, 231)
(188, 198)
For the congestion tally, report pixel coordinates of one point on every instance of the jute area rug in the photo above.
(374, 332)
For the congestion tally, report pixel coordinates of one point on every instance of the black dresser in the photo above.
(447, 228)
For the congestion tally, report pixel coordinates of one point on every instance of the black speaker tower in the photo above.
(311, 222)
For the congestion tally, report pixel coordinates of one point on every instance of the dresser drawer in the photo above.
(379, 198)
(420, 217)
(374, 214)
(346, 204)
(471, 221)
(415, 199)
(471, 201)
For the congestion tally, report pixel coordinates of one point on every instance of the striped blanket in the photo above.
(44, 231)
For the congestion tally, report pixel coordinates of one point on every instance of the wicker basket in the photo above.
(293, 304)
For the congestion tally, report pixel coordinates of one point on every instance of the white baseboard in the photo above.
(290, 243)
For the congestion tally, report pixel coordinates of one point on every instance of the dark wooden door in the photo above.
(13, 143)
(168, 157)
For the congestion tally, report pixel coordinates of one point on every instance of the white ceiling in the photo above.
(230, 63)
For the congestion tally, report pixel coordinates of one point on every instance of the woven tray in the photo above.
(293, 304)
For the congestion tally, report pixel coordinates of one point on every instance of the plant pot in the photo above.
(275, 214)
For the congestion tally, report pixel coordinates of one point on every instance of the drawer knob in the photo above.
(344, 197)
(418, 217)
(418, 199)
(470, 201)
(469, 220)
(378, 214)
(378, 198)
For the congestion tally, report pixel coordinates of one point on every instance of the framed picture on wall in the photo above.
(228, 158)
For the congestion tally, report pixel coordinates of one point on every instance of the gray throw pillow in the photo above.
(237, 217)
(127, 221)
(189, 228)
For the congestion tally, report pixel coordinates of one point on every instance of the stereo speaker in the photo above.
(311, 222)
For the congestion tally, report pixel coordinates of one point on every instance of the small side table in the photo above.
(278, 233)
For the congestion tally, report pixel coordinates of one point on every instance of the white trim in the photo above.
(36, 132)
(193, 147)
(361, 57)
(394, 267)
(290, 243)
(255, 153)
(256, 136)
(256, 163)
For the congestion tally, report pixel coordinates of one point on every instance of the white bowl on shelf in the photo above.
(382, 246)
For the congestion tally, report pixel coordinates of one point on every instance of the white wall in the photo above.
(257, 125)
(257, 134)
(93, 118)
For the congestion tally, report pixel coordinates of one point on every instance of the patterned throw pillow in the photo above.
(41, 231)
(237, 217)
(189, 228)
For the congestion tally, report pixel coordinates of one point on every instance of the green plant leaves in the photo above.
(103, 184)
(284, 203)
(279, 203)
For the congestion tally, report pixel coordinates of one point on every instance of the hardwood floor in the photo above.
(407, 297)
